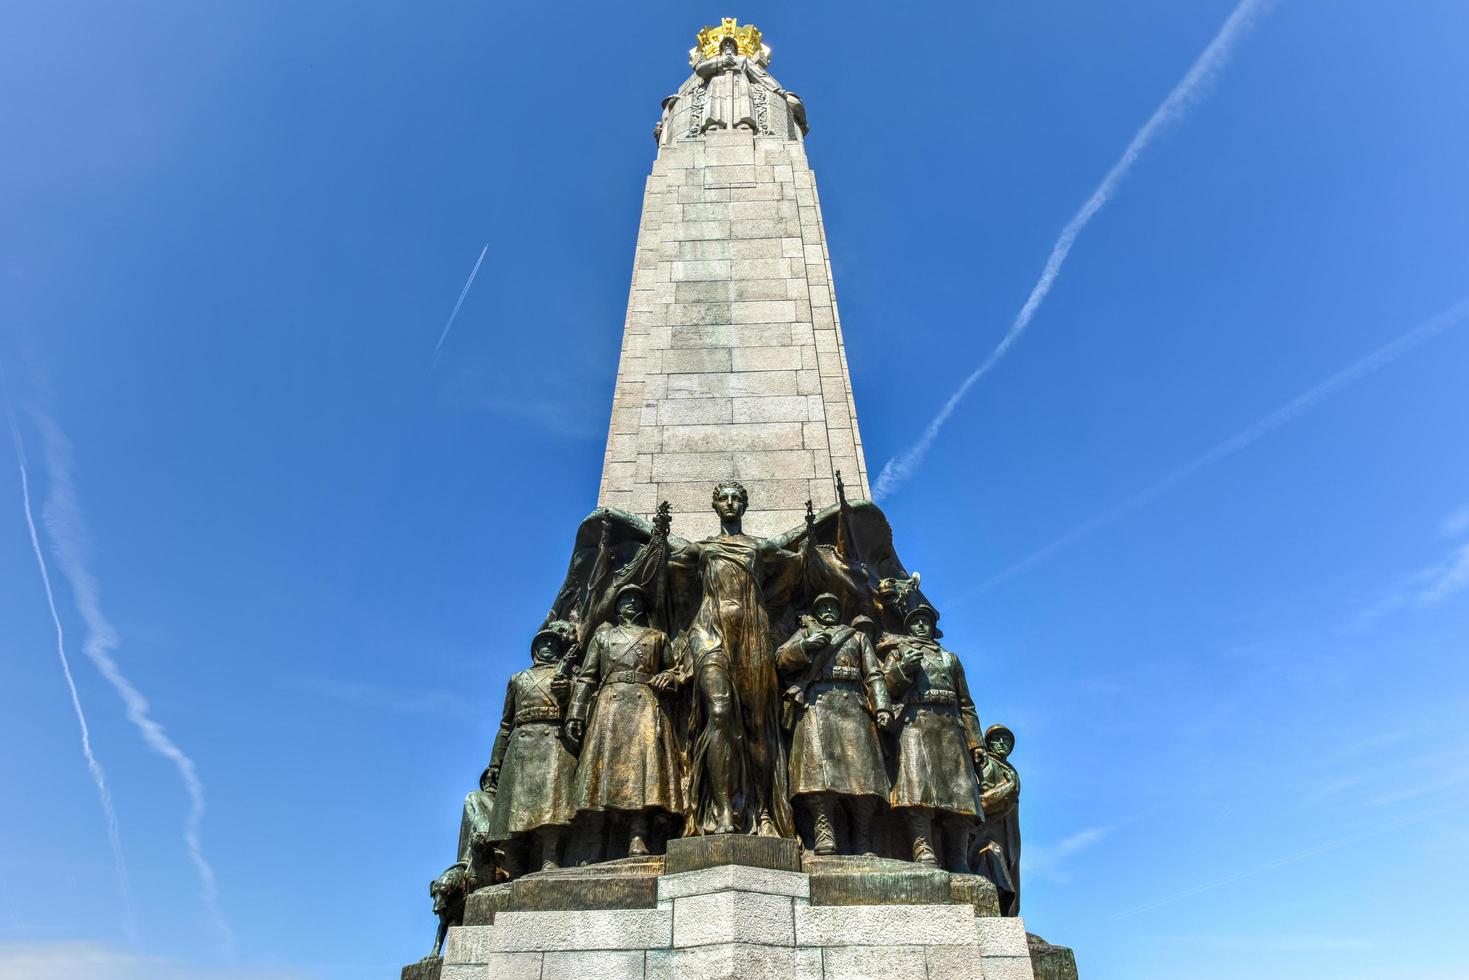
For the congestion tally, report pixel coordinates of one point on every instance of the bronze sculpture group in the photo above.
(790, 686)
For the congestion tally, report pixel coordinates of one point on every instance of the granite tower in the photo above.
(733, 365)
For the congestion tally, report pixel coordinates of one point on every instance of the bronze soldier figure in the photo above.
(938, 744)
(631, 763)
(476, 851)
(836, 694)
(532, 768)
(999, 834)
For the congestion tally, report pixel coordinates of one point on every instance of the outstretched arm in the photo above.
(625, 534)
(789, 541)
(626, 526)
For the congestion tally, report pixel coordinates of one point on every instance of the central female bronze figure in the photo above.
(738, 779)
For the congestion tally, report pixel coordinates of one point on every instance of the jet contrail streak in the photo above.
(67, 530)
(1297, 406)
(109, 812)
(439, 347)
(1190, 89)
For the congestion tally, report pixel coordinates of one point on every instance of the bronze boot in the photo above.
(824, 829)
(920, 829)
(957, 833)
(589, 844)
(548, 841)
(637, 832)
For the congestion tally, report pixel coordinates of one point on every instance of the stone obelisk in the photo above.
(732, 360)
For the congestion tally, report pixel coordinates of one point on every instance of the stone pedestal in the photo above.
(740, 907)
(427, 968)
(1051, 962)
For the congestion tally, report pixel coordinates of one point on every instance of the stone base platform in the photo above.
(427, 968)
(743, 907)
(1051, 962)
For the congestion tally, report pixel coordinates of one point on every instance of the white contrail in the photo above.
(1184, 96)
(1308, 399)
(63, 519)
(438, 348)
(109, 812)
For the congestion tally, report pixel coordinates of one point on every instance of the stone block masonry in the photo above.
(723, 922)
(733, 364)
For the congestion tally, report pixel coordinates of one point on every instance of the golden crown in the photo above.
(747, 38)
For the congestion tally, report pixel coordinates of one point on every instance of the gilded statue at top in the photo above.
(731, 89)
(746, 39)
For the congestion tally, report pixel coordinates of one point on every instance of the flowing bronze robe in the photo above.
(940, 731)
(731, 634)
(630, 757)
(834, 748)
(536, 765)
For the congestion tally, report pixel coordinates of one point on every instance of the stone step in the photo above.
(696, 853)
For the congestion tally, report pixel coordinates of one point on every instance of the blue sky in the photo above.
(232, 233)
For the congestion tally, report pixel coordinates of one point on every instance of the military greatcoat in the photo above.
(537, 768)
(630, 758)
(835, 692)
(940, 731)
